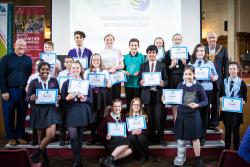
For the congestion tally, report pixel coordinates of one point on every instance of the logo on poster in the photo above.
(3, 10)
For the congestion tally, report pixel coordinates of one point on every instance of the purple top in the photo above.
(86, 53)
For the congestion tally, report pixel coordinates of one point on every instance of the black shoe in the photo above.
(45, 158)
(61, 143)
(198, 162)
(36, 157)
(77, 164)
(202, 142)
(33, 142)
(108, 161)
(91, 142)
(163, 143)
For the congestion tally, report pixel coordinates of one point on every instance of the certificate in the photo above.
(97, 80)
(189, 97)
(78, 86)
(61, 80)
(46, 96)
(117, 129)
(172, 96)
(179, 52)
(117, 77)
(138, 122)
(48, 57)
(83, 61)
(151, 78)
(202, 73)
(232, 104)
(109, 62)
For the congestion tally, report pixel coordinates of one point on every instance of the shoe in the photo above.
(12, 142)
(108, 161)
(36, 157)
(198, 162)
(217, 129)
(61, 143)
(179, 161)
(91, 142)
(22, 141)
(77, 164)
(163, 143)
(202, 142)
(45, 158)
(33, 143)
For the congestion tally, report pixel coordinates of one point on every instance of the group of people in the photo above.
(102, 105)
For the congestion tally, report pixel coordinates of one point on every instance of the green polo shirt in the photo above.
(132, 65)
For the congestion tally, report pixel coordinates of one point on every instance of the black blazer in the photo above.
(145, 93)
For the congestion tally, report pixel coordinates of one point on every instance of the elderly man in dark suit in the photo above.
(15, 69)
(151, 95)
(219, 56)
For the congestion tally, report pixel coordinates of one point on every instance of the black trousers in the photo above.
(98, 116)
(204, 115)
(156, 117)
(62, 116)
(229, 130)
(140, 143)
(116, 91)
(214, 112)
(130, 94)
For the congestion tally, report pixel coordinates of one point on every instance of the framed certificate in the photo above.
(232, 104)
(61, 80)
(117, 77)
(172, 96)
(49, 58)
(97, 80)
(151, 78)
(46, 96)
(78, 86)
(179, 52)
(117, 129)
(202, 73)
(109, 62)
(83, 61)
(134, 123)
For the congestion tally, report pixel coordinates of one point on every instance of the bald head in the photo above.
(20, 47)
(212, 39)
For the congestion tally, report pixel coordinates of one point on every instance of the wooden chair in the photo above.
(231, 158)
(16, 158)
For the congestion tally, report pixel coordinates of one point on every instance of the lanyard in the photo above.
(234, 87)
(42, 82)
(79, 56)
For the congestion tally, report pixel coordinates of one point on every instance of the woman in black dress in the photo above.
(44, 117)
(79, 112)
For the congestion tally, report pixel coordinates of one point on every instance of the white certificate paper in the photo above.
(83, 62)
(172, 96)
(61, 80)
(179, 53)
(118, 77)
(46, 96)
(134, 123)
(49, 58)
(78, 86)
(97, 80)
(117, 129)
(202, 73)
(232, 104)
(151, 78)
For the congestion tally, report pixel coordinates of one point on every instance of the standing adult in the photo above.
(15, 69)
(219, 56)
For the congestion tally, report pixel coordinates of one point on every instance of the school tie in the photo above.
(231, 87)
(79, 52)
(199, 63)
(152, 67)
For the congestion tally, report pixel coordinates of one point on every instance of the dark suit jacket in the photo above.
(145, 93)
(221, 64)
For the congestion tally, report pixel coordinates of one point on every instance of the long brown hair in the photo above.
(82, 71)
(141, 112)
(91, 67)
(193, 57)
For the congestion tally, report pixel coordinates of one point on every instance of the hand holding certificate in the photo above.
(232, 104)
(46, 96)
(118, 77)
(179, 53)
(49, 58)
(151, 78)
(134, 123)
(172, 96)
(97, 80)
(202, 73)
(78, 86)
(117, 129)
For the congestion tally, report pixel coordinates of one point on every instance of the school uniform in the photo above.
(115, 141)
(232, 120)
(43, 115)
(151, 98)
(82, 53)
(188, 122)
